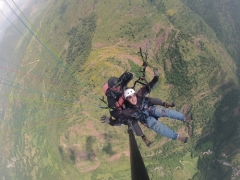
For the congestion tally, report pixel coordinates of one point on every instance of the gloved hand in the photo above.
(167, 104)
(126, 77)
(105, 119)
(155, 71)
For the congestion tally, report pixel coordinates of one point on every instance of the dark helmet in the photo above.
(112, 81)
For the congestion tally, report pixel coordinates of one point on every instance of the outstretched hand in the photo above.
(105, 119)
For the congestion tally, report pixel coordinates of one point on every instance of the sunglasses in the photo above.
(132, 96)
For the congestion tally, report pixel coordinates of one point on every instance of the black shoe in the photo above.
(182, 139)
(147, 142)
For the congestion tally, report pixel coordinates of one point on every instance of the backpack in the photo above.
(121, 100)
(105, 88)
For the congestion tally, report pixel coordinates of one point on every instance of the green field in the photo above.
(52, 80)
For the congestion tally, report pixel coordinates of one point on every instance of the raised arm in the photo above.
(146, 89)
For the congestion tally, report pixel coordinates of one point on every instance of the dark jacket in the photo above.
(136, 111)
(113, 97)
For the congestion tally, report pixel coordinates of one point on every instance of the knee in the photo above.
(151, 123)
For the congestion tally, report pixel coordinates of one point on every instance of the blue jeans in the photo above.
(159, 127)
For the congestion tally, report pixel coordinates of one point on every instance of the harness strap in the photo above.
(113, 95)
(149, 110)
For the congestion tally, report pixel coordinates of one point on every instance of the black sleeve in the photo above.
(153, 82)
(146, 89)
(115, 122)
(134, 114)
(155, 101)
(129, 114)
(114, 113)
(124, 119)
(121, 119)
(111, 102)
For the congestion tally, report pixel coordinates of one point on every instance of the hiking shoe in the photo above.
(188, 118)
(147, 142)
(182, 139)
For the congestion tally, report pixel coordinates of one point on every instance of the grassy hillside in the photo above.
(52, 123)
(222, 17)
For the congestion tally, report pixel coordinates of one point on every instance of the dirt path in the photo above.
(36, 62)
(117, 156)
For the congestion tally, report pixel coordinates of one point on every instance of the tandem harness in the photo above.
(141, 80)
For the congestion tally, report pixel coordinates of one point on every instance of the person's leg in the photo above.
(138, 131)
(136, 128)
(164, 112)
(161, 129)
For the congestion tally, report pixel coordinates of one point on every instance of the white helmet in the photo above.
(128, 92)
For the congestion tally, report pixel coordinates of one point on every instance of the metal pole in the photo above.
(138, 169)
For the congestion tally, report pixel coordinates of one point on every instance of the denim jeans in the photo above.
(159, 127)
(165, 112)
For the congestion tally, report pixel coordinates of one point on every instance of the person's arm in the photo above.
(155, 78)
(153, 82)
(123, 119)
(146, 89)
(115, 122)
(158, 101)
(124, 116)
(155, 101)
(111, 102)
(119, 117)
(133, 114)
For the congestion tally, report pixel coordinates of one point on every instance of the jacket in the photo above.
(143, 103)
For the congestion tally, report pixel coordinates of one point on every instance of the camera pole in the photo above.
(138, 169)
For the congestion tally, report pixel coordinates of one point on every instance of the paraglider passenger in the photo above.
(141, 108)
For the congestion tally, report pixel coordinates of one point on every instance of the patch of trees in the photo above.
(176, 68)
(212, 169)
(63, 8)
(226, 123)
(223, 18)
(160, 5)
(80, 42)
